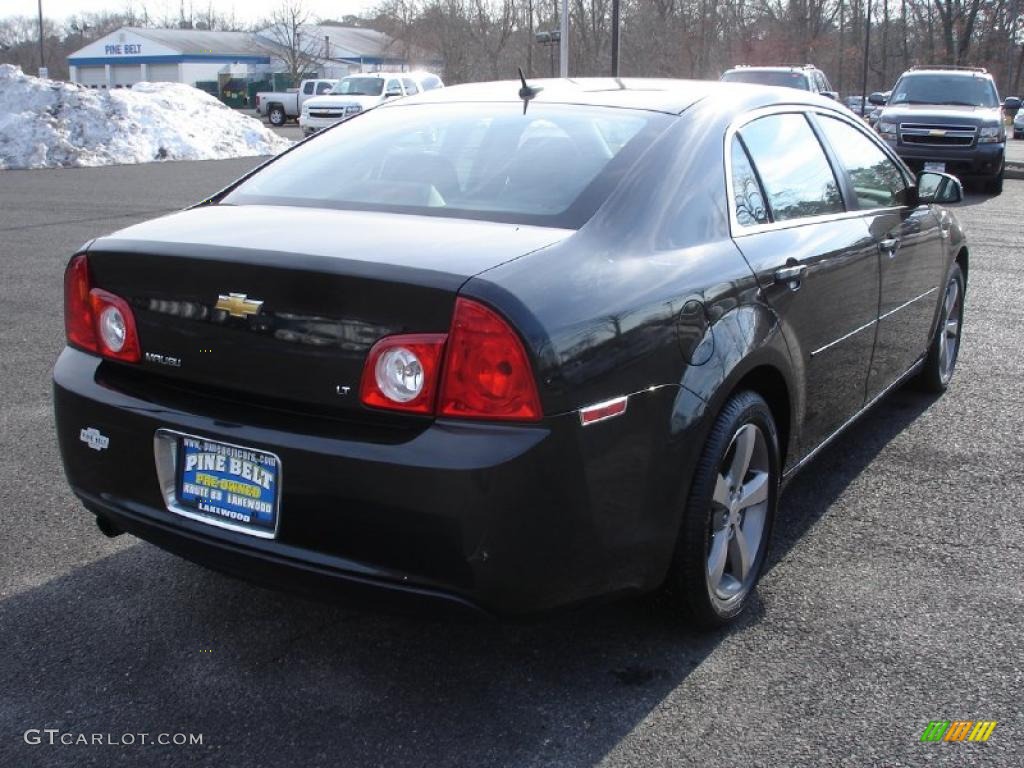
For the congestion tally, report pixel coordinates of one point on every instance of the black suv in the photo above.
(947, 119)
(805, 78)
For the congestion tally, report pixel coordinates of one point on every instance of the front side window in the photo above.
(748, 200)
(394, 87)
(877, 181)
(552, 166)
(793, 168)
(323, 88)
(410, 86)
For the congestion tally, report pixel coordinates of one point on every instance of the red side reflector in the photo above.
(487, 373)
(601, 411)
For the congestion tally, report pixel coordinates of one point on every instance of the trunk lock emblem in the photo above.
(238, 304)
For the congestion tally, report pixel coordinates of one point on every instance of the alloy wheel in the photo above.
(949, 330)
(739, 511)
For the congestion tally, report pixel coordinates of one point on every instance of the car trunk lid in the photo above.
(285, 303)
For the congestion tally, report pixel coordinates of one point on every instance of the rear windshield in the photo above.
(553, 166)
(954, 90)
(359, 86)
(768, 77)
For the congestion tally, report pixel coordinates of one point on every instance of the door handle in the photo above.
(889, 245)
(790, 275)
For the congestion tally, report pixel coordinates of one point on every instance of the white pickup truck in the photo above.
(280, 106)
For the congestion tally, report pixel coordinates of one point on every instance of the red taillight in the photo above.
(401, 373)
(79, 324)
(487, 374)
(96, 320)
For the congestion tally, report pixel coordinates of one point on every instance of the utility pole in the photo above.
(867, 52)
(42, 55)
(615, 38)
(563, 45)
(529, 47)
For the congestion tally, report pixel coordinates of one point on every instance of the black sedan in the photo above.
(509, 348)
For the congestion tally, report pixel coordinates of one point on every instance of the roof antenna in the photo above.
(527, 92)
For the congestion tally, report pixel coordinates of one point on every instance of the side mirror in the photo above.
(877, 98)
(834, 95)
(939, 188)
(1011, 104)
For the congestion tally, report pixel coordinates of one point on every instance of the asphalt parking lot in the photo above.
(894, 595)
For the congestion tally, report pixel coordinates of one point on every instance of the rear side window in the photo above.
(877, 181)
(792, 166)
(308, 88)
(410, 86)
(748, 199)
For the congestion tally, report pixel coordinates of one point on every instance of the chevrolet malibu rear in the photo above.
(303, 382)
(509, 346)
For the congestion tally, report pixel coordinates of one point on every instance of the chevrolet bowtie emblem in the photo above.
(238, 305)
(936, 132)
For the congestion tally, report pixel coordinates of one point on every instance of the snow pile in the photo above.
(49, 124)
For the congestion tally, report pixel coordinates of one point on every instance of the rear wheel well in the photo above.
(771, 385)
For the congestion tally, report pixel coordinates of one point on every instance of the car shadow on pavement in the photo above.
(142, 642)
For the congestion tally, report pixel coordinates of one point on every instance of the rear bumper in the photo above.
(979, 160)
(498, 519)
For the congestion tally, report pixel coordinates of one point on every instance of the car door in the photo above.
(909, 244)
(817, 264)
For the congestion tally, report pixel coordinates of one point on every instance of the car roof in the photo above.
(947, 72)
(658, 95)
(773, 68)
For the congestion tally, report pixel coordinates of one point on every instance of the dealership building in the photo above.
(193, 56)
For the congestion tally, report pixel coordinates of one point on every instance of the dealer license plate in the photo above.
(935, 167)
(228, 485)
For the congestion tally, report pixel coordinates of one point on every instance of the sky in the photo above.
(245, 10)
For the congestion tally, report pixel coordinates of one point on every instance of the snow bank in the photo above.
(49, 124)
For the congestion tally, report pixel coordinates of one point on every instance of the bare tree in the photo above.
(290, 38)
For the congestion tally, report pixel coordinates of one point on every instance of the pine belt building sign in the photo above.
(133, 55)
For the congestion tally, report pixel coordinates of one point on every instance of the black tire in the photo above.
(994, 186)
(938, 370)
(276, 115)
(690, 581)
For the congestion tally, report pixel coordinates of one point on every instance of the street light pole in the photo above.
(615, 38)
(563, 45)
